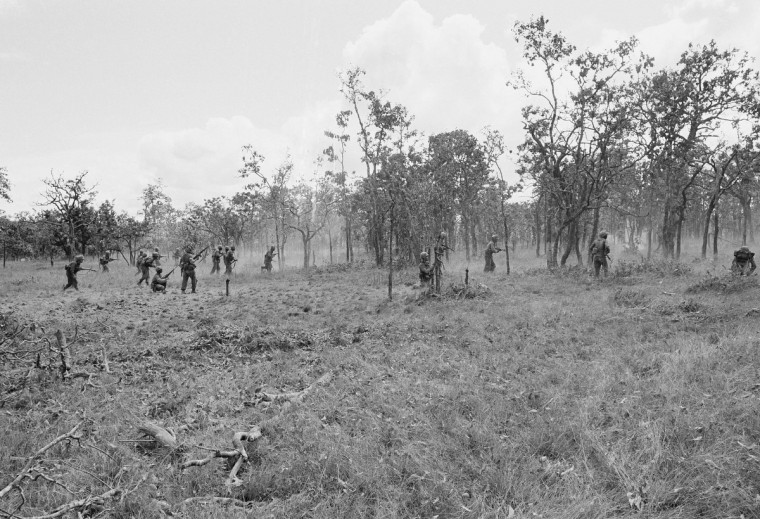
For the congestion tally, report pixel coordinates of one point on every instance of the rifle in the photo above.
(91, 270)
(608, 257)
(201, 253)
(170, 273)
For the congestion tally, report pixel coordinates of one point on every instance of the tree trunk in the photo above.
(716, 231)
(679, 228)
(706, 229)
(506, 243)
(329, 237)
(538, 227)
(649, 242)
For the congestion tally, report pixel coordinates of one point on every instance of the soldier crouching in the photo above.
(744, 262)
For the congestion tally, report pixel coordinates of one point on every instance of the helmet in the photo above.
(220, 247)
(603, 234)
(744, 249)
(227, 248)
(494, 237)
(79, 257)
(189, 248)
(443, 234)
(155, 250)
(159, 270)
(271, 248)
(423, 255)
(155, 254)
(233, 248)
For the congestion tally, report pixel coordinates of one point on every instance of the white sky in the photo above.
(136, 90)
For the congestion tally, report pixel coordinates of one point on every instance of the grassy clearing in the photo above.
(548, 395)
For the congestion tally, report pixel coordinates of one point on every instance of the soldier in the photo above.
(426, 270)
(268, 258)
(439, 250)
(145, 266)
(216, 258)
(158, 283)
(490, 251)
(599, 252)
(744, 262)
(71, 272)
(140, 257)
(104, 261)
(187, 266)
(229, 259)
(156, 257)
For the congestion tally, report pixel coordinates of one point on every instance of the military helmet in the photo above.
(232, 248)
(494, 237)
(744, 249)
(220, 247)
(189, 248)
(79, 257)
(443, 234)
(423, 255)
(227, 247)
(155, 254)
(155, 250)
(603, 234)
(159, 270)
(271, 248)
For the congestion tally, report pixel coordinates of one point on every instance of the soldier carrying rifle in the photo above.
(490, 251)
(71, 272)
(600, 253)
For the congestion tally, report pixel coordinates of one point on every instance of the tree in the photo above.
(683, 109)
(338, 158)
(5, 185)
(273, 194)
(383, 129)
(72, 201)
(310, 208)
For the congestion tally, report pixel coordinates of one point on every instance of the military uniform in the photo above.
(744, 262)
(216, 258)
(229, 259)
(490, 251)
(104, 261)
(145, 266)
(138, 262)
(71, 273)
(426, 271)
(599, 251)
(187, 265)
(158, 283)
(268, 258)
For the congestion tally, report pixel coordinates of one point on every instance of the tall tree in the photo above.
(72, 200)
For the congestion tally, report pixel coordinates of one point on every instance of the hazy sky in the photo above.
(133, 91)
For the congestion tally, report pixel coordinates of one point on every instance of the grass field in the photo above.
(537, 395)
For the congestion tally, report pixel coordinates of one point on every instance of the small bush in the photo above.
(629, 298)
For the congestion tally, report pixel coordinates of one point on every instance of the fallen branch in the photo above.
(69, 436)
(295, 396)
(63, 349)
(213, 499)
(239, 453)
(162, 436)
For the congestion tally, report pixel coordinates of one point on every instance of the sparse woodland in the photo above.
(534, 391)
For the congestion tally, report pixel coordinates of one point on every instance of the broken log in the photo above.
(163, 437)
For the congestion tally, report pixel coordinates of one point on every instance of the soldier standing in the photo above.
(145, 266)
(439, 250)
(156, 257)
(140, 257)
(599, 252)
(426, 270)
(71, 272)
(490, 251)
(216, 258)
(187, 266)
(229, 259)
(268, 258)
(104, 261)
(744, 262)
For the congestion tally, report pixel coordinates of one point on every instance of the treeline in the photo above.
(652, 155)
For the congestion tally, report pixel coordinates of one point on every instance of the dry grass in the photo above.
(547, 395)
